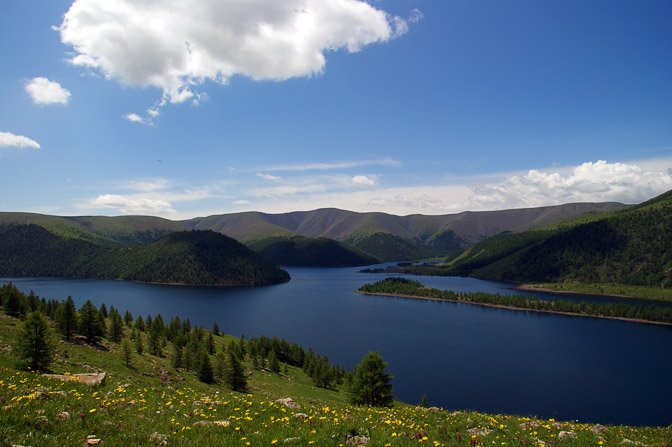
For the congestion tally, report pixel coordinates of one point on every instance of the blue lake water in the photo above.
(461, 356)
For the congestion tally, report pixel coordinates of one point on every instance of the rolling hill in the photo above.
(184, 257)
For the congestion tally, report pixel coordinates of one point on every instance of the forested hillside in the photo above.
(631, 247)
(193, 257)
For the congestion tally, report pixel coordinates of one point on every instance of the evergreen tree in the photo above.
(205, 373)
(101, 320)
(35, 345)
(423, 401)
(103, 310)
(235, 374)
(210, 344)
(14, 301)
(140, 324)
(66, 318)
(215, 328)
(89, 323)
(139, 345)
(371, 384)
(273, 363)
(127, 353)
(116, 327)
(220, 365)
(128, 318)
(176, 357)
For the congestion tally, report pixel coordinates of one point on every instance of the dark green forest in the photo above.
(190, 257)
(402, 286)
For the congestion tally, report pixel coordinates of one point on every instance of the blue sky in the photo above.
(192, 108)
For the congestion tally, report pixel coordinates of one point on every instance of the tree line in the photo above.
(188, 348)
(403, 286)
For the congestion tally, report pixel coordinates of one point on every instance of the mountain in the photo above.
(316, 252)
(390, 237)
(111, 231)
(184, 257)
(630, 246)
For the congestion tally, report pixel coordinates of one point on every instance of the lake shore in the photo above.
(520, 309)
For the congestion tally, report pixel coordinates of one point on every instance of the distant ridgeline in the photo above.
(184, 257)
(632, 246)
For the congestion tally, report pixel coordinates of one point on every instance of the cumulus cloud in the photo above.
(44, 91)
(177, 46)
(598, 181)
(362, 180)
(8, 139)
(133, 205)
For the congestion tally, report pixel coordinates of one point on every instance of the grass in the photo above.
(639, 292)
(140, 406)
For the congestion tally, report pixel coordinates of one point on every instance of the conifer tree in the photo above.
(139, 345)
(176, 357)
(35, 345)
(66, 318)
(371, 384)
(423, 401)
(140, 324)
(89, 323)
(273, 363)
(215, 328)
(235, 374)
(220, 365)
(128, 318)
(205, 373)
(210, 344)
(126, 351)
(116, 327)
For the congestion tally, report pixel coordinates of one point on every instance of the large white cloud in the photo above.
(8, 139)
(133, 205)
(178, 44)
(44, 91)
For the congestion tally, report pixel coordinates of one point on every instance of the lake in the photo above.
(461, 356)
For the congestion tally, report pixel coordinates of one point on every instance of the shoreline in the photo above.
(519, 309)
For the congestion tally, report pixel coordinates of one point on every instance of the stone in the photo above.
(358, 441)
(476, 431)
(65, 416)
(202, 424)
(300, 416)
(530, 424)
(567, 435)
(224, 423)
(289, 403)
(290, 440)
(598, 429)
(158, 437)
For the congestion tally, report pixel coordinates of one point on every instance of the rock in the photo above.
(92, 440)
(224, 423)
(434, 409)
(289, 403)
(65, 416)
(530, 424)
(91, 379)
(598, 429)
(202, 424)
(476, 431)
(158, 437)
(290, 440)
(567, 435)
(300, 416)
(198, 403)
(358, 441)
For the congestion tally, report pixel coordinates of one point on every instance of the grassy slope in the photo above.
(120, 230)
(134, 404)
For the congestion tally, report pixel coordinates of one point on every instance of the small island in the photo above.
(405, 288)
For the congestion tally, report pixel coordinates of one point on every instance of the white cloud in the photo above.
(334, 166)
(134, 118)
(241, 202)
(8, 139)
(133, 205)
(589, 182)
(362, 180)
(176, 46)
(416, 16)
(44, 91)
(269, 177)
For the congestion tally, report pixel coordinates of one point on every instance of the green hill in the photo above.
(113, 231)
(303, 251)
(188, 257)
(389, 237)
(631, 246)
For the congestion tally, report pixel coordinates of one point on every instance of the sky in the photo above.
(191, 108)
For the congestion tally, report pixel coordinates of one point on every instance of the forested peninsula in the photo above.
(185, 258)
(405, 288)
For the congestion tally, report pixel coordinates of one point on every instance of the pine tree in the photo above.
(273, 363)
(35, 345)
(140, 324)
(127, 352)
(220, 365)
(139, 345)
(116, 327)
(89, 323)
(205, 373)
(210, 344)
(235, 374)
(66, 318)
(371, 384)
(128, 318)
(176, 357)
(215, 328)
(423, 401)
